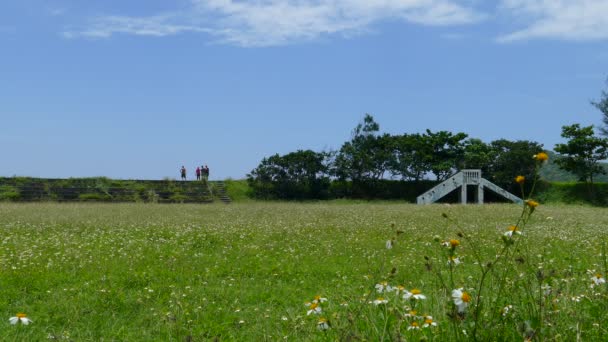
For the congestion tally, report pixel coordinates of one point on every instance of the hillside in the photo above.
(552, 173)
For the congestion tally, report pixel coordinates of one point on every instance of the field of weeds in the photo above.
(287, 271)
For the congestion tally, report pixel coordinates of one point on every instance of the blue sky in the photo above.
(135, 89)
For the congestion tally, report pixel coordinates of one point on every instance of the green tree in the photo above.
(582, 153)
(443, 152)
(409, 160)
(477, 155)
(602, 105)
(367, 156)
(510, 159)
(296, 175)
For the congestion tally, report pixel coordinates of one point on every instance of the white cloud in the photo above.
(559, 19)
(275, 22)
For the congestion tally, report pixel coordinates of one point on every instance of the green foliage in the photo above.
(512, 158)
(296, 175)
(9, 193)
(94, 197)
(477, 155)
(582, 153)
(367, 156)
(443, 151)
(360, 166)
(574, 193)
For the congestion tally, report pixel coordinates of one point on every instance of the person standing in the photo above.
(183, 172)
(206, 172)
(198, 173)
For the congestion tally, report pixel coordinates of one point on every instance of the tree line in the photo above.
(372, 163)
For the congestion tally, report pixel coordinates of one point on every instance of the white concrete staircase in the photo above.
(461, 180)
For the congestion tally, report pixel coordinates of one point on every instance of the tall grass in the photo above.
(146, 272)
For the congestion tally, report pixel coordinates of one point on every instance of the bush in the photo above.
(9, 193)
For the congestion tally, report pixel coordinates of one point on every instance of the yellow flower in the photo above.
(532, 203)
(542, 156)
(454, 243)
(520, 179)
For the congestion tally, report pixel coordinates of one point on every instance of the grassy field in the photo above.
(150, 272)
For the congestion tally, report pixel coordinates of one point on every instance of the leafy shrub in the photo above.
(9, 193)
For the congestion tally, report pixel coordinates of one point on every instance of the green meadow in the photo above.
(251, 271)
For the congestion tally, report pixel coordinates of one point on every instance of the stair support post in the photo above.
(463, 193)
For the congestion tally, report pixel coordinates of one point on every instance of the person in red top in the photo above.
(198, 173)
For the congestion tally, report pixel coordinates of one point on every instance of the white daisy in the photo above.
(414, 326)
(383, 287)
(414, 294)
(428, 322)
(597, 279)
(323, 324)
(21, 317)
(461, 299)
(389, 244)
(512, 230)
(314, 308)
(380, 301)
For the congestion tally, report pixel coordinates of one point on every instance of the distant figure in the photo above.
(198, 173)
(183, 172)
(206, 172)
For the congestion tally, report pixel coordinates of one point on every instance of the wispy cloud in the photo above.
(159, 26)
(559, 19)
(274, 22)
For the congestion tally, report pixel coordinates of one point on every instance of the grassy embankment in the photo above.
(135, 272)
(21, 189)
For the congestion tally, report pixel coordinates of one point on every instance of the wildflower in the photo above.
(380, 300)
(383, 287)
(323, 324)
(399, 289)
(461, 299)
(414, 326)
(389, 244)
(414, 294)
(453, 260)
(542, 156)
(319, 299)
(531, 203)
(20, 317)
(520, 179)
(313, 308)
(505, 311)
(428, 322)
(512, 230)
(454, 243)
(411, 314)
(597, 279)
